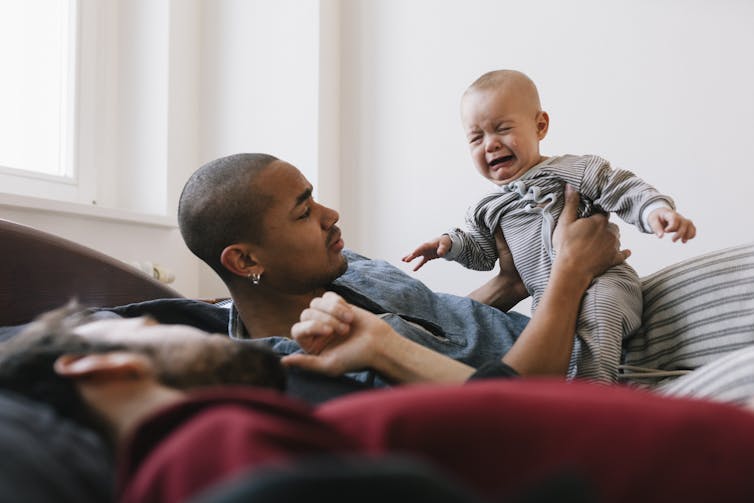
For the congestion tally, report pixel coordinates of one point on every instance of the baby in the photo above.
(504, 123)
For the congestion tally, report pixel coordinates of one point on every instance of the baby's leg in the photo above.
(610, 311)
(696, 311)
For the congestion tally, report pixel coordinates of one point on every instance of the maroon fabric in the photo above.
(198, 443)
(505, 436)
(498, 437)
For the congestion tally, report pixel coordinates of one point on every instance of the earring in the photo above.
(255, 278)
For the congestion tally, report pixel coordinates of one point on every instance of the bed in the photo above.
(41, 271)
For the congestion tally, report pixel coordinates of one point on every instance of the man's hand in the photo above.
(506, 289)
(430, 250)
(664, 220)
(586, 245)
(336, 336)
(341, 338)
(325, 322)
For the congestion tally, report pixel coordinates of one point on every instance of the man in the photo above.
(144, 387)
(252, 218)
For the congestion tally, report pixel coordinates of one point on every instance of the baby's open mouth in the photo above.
(501, 160)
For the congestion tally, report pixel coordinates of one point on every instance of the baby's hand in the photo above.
(664, 220)
(430, 250)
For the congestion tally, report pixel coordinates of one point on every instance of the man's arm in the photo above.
(342, 338)
(506, 289)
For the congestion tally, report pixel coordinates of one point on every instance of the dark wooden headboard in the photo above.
(40, 271)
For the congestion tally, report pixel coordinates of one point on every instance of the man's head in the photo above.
(55, 354)
(504, 123)
(252, 215)
(220, 205)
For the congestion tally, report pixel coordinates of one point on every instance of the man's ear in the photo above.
(240, 260)
(104, 366)
(543, 124)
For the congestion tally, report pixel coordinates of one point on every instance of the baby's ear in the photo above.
(104, 366)
(543, 124)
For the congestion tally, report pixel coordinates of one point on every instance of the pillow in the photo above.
(696, 310)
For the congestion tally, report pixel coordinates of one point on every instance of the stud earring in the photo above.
(255, 278)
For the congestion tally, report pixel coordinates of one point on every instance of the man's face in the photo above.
(301, 246)
(185, 357)
(503, 131)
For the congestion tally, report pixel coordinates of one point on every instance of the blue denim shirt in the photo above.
(458, 327)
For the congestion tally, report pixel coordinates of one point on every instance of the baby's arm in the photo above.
(665, 219)
(430, 250)
(634, 200)
(503, 291)
(474, 248)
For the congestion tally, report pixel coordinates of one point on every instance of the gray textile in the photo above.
(48, 459)
(699, 315)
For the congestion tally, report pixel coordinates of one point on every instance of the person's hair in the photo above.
(27, 364)
(219, 207)
(497, 78)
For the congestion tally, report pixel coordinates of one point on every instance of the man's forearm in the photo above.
(404, 361)
(501, 292)
(506, 289)
(545, 345)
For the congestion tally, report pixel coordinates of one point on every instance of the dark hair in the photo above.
(27, 364)
(219, 207)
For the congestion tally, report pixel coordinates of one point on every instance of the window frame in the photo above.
(66, 186)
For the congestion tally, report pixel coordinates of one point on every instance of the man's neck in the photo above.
(267, 314)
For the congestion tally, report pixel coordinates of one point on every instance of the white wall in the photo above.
(260, 88)
(661, 88)
(362, 95)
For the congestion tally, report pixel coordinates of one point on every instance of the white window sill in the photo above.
(84, 210)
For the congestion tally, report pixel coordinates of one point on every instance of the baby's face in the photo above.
(503, 131)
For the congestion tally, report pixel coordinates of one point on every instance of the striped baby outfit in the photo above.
(527, 210)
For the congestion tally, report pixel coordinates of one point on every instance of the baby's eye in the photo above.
(475, 139)
(503, 129)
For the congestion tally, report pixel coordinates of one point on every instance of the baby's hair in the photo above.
(498, 78)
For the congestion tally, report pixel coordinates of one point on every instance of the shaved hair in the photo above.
(220, 206)
(513, 80)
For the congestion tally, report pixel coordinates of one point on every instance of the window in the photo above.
(85, 104)
(37, 90)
